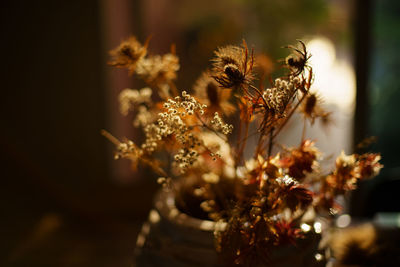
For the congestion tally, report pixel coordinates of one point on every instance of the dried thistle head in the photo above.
(208, 92)
(298, 60)
(128, 54)
(232, 66)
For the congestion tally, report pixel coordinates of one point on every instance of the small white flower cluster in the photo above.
(185, 158)
(279, 96)
(152, 132)
(188, 102)
(219, 125)
(128, 149)
(158, 69)
(171, 122)
(143, 117)
(128, 98)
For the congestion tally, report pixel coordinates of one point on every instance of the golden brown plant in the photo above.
(301, 161)
(262, 199)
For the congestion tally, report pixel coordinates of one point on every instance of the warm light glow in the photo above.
(154, 217)
(318, 256)
(343, 221)
(305, 227)
(334, 78)
(317, 227)
(323, 53)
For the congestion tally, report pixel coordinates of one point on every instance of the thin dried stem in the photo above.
(290, 115)
(110, 137)
(271, 139)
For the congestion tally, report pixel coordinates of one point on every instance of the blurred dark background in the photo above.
(64, 201)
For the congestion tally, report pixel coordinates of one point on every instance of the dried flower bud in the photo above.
(128, 54)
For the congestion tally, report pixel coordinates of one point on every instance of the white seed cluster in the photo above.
(219, 125)
(128, 149)
(187, 102)
(128, 98)
(171, 122)
(185, 158)
(143, 117)
(279, 96)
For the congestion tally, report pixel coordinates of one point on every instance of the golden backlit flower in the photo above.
(349, 169)
(343, 178)
(293, 194)
(368, 165)
(302, 160)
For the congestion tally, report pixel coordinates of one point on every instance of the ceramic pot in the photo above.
(172, 238)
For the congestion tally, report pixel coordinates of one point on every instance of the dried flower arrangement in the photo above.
(262, 199)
